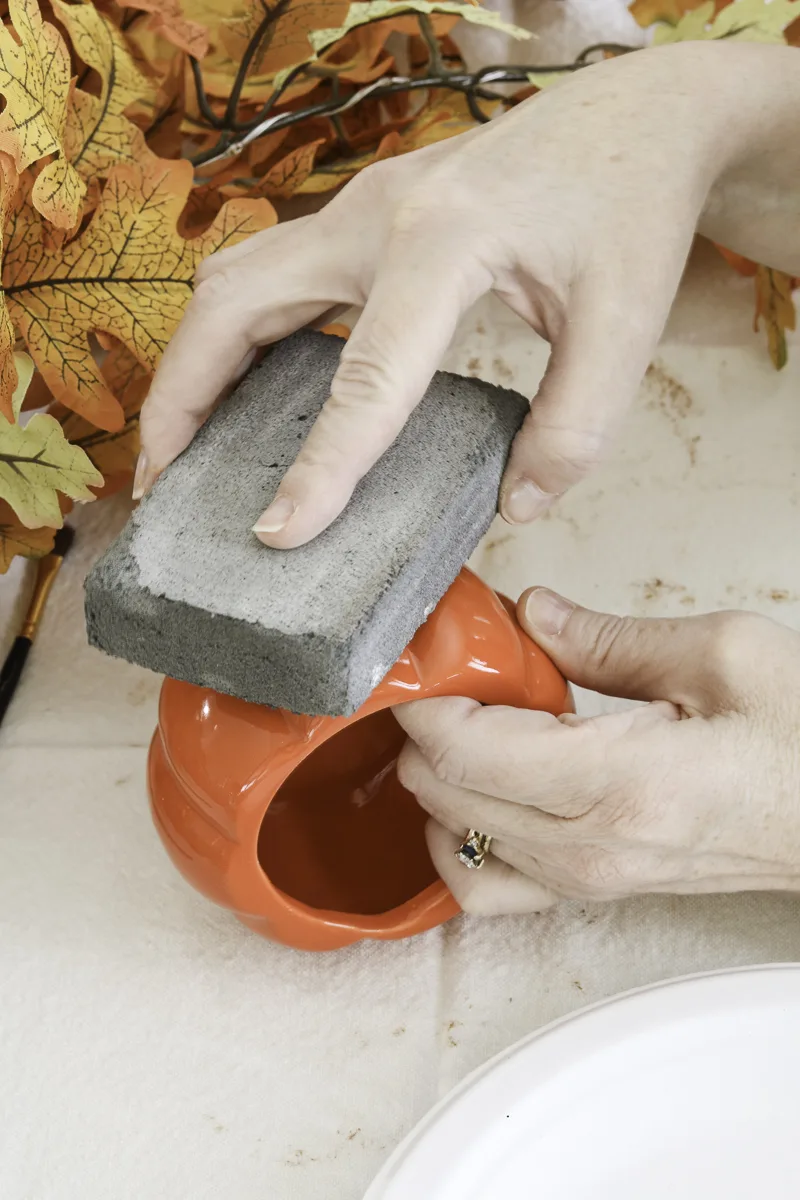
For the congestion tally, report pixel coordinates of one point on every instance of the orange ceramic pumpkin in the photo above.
(299, 824)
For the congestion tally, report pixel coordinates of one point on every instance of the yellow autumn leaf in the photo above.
(286, 42)
(444, 117)
(36, 463)
(648, 12)
(8, 373)
(129, 274)
(167, 19)
(35, 79)
(15, 539)
(114, 453)
(289, 174)
(362, 13)
(98, 134)
(747, 20)
(775, 306)
(23, 364)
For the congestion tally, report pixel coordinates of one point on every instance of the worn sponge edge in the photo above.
(188, 591)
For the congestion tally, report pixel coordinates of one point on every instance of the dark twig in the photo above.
(235, 134)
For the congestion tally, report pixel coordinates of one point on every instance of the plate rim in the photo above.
(389, 1171)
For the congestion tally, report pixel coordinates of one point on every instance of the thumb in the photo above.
(621, 656)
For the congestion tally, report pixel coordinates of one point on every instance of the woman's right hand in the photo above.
(577, 208)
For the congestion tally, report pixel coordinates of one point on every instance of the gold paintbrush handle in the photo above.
(45, 575)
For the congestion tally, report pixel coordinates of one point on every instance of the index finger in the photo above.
(518, 754)
(421, 289)
(249, 300)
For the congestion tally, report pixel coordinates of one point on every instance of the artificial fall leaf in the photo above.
(8, 372)
(23, 364)
(168, 20)
(740, 264)
(774, 304)
(291, 172)
(748, 20)
(444, 117)
(15, 539)
(114, 454)
(35, 80)
(337, 329)
(98, 134)
(128, 274)
(287, 41)
(261, 151)
(648, 12)
(36, 463)
(333, 175)
(376, 10)
(160, 117)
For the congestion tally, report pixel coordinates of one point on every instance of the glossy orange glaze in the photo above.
(299, 824)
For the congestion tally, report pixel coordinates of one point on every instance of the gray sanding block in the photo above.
(188, 590)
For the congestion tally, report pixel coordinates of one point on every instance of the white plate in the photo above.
(689, 1090)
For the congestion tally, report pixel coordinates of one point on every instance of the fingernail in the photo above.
(524, 501)
(144, 478)
(277, 516)
(547, 612)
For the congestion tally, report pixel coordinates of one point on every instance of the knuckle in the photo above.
(447, 762)
(608, 633)
(733, 642)
(570, 454)
(368, 375)
(215, 292)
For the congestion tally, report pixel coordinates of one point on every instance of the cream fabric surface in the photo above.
(152, 1048)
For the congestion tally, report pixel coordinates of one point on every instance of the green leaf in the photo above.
(25, 368)
(745, 20)
(546, 79)
(376, 10)
(37, 462)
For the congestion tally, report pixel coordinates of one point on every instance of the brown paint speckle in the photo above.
(496, 542)
(501, 368)
(675, 402)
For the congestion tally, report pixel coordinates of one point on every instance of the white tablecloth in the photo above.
(150, 1047)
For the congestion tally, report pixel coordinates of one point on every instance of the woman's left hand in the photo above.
(696, 791)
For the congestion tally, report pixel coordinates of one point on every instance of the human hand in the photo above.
(696, 791)
(577, 208)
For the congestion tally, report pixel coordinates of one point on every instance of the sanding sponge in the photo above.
(188, 590)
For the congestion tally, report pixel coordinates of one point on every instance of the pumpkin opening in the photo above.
(342, 832)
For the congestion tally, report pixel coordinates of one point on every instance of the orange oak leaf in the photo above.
(333, 175)
(128, 274)
(262, 150)
(16, 540)
(775, 306)
(337, 329)
(290, 173)
(285, 42)
(445, 116)
(744, 266)
(35, 81)
(114, 453)
(168, 20)
(98, 134)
